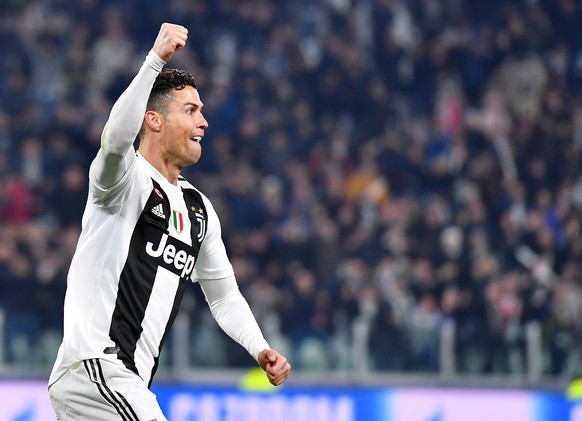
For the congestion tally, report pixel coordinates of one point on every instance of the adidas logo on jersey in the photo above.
(158, 210)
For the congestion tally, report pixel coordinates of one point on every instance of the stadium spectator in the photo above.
(397, 163)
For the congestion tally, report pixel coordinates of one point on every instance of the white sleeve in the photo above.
(233, 314)
(216, 277)
(122, 127)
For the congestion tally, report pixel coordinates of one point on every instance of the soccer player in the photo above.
(146, 233)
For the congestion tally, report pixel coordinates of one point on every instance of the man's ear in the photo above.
(153, 120)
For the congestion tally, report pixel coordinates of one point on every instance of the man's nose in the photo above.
(203, 123)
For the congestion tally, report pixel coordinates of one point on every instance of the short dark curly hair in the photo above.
(165, 83)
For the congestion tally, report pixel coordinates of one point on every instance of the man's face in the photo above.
(184, 127)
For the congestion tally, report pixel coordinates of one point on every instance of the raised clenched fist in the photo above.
(170, 39)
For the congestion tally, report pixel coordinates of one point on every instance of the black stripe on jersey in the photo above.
(115, 399)
(137, 277)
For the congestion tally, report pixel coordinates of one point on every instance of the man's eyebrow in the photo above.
(193, 105)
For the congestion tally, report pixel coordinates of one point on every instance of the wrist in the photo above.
(256, 349)
(155, 61)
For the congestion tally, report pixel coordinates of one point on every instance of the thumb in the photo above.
(271, 356)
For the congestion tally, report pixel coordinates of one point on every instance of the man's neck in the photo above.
(156, 160)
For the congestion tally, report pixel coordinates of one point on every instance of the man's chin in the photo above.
(193, 160)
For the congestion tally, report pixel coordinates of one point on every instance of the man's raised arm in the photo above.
(127, 114)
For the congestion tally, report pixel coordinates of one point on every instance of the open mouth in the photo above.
(197, 139)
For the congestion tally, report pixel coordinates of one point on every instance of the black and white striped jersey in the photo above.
(142, 241)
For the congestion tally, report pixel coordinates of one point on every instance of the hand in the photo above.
(170, 39)
(275, 365)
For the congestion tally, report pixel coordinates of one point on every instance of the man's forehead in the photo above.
(187, 95)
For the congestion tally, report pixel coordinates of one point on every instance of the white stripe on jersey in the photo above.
(159, 308)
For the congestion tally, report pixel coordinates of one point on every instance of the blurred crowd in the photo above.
(397, 165)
